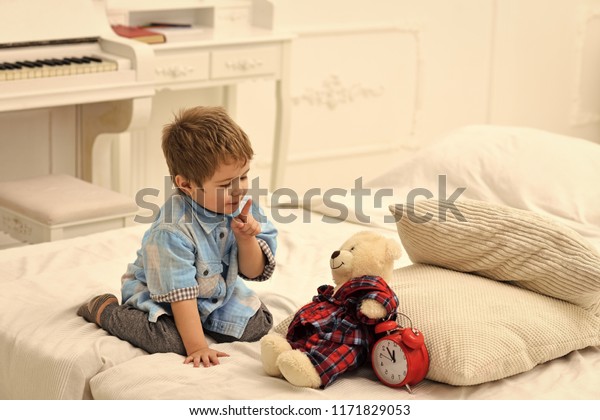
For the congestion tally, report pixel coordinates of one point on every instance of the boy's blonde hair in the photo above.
(200, 139)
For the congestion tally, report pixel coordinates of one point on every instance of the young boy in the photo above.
(188, 278)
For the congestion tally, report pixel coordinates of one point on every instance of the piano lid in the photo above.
(41, 21)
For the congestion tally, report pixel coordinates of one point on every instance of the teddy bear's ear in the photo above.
(394, 251)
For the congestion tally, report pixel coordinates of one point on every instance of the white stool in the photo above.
(53, 207)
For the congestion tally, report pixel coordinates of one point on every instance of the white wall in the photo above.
(517, 62)
(546, 66)
(372, 80)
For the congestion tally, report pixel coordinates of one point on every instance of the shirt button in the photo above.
(214, 300)
(221, 235)
(205, 272)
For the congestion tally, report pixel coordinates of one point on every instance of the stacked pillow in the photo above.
(525, 168)
(504, 244)
(496, 290)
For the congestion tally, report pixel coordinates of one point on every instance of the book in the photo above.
(180, 33)
(169, 25)
(139, 34)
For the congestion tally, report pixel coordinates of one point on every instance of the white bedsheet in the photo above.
(303, 257)
(48, 352)
(240, 377)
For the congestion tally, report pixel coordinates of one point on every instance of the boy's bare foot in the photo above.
(92, 310)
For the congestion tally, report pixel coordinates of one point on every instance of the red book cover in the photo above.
(139, 34)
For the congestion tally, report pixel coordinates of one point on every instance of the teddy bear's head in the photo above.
(364, 254)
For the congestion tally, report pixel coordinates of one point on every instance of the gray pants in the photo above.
(132, 325)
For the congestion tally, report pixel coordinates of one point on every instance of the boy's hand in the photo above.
(244, 225)
(206, 356)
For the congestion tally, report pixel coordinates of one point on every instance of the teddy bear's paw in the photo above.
(298, 370)
(271, 346)
(373, 309)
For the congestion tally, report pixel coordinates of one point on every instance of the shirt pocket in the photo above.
(209, 279)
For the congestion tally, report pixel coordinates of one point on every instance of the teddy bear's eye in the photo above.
(352, 249)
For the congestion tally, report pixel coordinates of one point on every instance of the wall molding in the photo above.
(334, 92)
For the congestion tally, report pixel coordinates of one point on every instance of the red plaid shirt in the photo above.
(333, 332)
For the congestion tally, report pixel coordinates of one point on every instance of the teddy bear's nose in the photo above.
(335, 254)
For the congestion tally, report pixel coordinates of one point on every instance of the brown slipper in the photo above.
(89, 310)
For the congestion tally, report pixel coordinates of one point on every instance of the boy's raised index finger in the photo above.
(246, 208)
(243, 216)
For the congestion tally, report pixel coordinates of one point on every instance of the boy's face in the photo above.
(224, 190)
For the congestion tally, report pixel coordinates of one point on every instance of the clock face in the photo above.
(389, 362)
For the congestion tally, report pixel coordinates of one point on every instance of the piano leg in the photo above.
(104, 118)
(282, 121)
(230, 100)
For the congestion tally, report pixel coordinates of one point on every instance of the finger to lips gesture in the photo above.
(244, 224)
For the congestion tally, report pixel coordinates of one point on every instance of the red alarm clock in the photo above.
(399, 356)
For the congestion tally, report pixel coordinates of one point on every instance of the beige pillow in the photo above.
(478, 330)
(505, 244)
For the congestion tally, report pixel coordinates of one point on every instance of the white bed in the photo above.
(48, 352)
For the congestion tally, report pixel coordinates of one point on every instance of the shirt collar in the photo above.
(207, 219)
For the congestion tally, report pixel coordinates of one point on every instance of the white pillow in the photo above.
(477, 330)
(504, 244)
(523, 168)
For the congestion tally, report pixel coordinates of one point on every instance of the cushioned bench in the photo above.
(53, 207)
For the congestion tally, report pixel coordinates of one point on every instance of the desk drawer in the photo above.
(244, 62)
(182, 67)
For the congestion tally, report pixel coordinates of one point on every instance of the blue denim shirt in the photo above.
(190, 252)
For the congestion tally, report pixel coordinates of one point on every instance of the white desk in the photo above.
(226, 61)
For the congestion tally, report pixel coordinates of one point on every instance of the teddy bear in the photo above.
(333, 333)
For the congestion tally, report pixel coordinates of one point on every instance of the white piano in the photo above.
(64, 55)
(62, 59)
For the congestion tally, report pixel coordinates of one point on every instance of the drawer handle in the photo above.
(12, 224)
(233, 16)
(243, 64)
(174, 71)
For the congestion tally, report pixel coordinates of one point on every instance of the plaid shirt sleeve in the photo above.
(379, 292)
(269, 266)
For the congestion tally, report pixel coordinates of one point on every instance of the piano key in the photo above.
(11, 71)
(61, 66)
(51, 67)
(24, 68)
(26, 64)
(117, 77)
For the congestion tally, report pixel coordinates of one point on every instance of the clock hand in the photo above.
(384, 356)
(392, 355)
